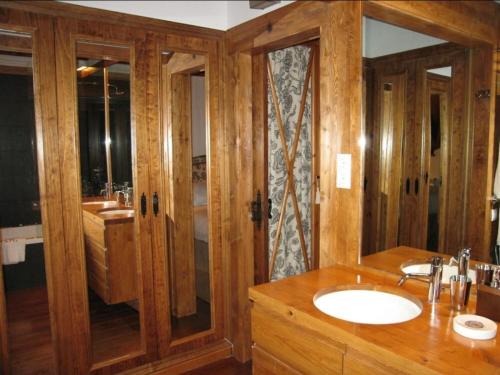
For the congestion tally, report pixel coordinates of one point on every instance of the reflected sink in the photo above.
(368, 304)
(420, 267)
(116, 212)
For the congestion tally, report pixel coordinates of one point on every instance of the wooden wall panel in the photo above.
(477, 221)
(340, 112)
(239, 141)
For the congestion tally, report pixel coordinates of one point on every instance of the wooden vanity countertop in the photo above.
(92, 206)
(424, 345)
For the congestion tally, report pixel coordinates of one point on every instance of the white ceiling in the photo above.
(220, 15)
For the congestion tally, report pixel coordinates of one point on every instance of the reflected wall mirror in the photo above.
(188, 206)
(112, 255)
(418, 129)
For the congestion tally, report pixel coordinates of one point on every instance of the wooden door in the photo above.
(384, 176)
(109, 257)
(32, 37)
(286, 165)
(435, 161)
(186, 169)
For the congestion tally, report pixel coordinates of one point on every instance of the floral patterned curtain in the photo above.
(289, 67)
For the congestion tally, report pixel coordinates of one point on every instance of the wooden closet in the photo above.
(71, 44)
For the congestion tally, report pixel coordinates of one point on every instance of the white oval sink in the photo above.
(448, 271)
(116, 212)
(368, 304)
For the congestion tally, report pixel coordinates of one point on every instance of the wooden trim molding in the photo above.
(58, 9)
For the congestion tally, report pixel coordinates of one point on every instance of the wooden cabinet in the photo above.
(110, 258)
(301, 348)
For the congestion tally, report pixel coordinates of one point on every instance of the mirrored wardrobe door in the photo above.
(101, 79)
(108, 211)
(25, 327)
(192, 250)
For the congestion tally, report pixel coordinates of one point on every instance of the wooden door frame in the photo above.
(260, 152)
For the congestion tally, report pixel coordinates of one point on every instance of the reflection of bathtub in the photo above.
(31, 233)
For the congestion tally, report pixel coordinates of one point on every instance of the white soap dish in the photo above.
(475, 327)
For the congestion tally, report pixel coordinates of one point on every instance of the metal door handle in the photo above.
(144, 205)
(156, 207)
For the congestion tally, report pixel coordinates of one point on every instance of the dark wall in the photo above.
(19, 194)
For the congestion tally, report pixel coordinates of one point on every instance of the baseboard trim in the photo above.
(181, 363)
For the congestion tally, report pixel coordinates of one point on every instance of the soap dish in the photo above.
(475, 327)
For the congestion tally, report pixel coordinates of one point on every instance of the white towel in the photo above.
(13, 251)
(496, 189)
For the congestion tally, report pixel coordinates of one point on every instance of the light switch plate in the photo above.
(344, 171)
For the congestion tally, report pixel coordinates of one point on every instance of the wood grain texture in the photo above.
(68, 33)
(209, 51)
(54, 9)
(182, 267)
(340, 103)
(463, 22)
(41, 30)
(264, 363)
(480, 173)
(412, 66)
(424, 345)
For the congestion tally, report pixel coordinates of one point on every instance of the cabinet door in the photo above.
(187, 227)
(101, 80)
(30, 171)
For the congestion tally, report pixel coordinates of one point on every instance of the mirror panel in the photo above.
(188, 208)
(23, 283)
(111, 252)
(418, 136)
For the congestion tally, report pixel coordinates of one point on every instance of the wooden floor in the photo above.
(29, 334)
(228, 366)
(115, 329)
(189, 325)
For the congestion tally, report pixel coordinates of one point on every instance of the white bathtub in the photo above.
(31, 233)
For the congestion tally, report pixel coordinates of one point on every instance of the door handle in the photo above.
(256, 207)
(144, 205)
(416, 186)
(407, 185)
(156, 205)
(269, 208)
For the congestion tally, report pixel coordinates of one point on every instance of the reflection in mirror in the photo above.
(416, 126)
(188, 206)
(436, 133)
(108, 214)
(23, 284)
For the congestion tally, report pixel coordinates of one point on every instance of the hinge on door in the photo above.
(257, 209)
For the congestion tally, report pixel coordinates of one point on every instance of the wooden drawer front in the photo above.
(95, 252)
(356, 363)
(264, 363)
(300, 348)
(98, 278)
(94, 231)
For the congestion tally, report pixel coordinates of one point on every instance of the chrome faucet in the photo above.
(433, 278)
(462, 260)
(127, 196)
